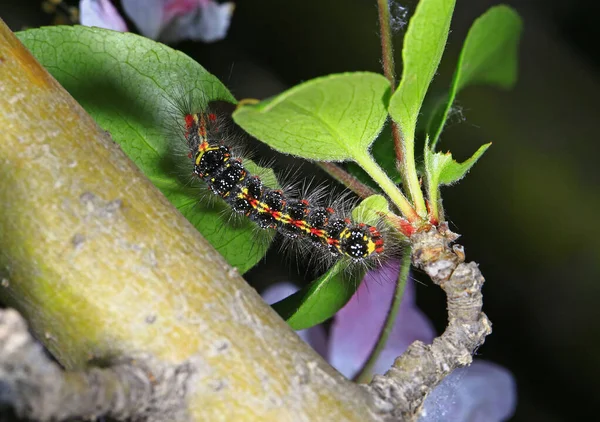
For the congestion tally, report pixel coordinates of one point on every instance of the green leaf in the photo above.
(371, 209)
(129, 84)
(489, 56)
(323, 297)
(424, 44)
(332, 118)
(443, 170)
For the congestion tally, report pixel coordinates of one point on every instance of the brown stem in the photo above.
(387, 48)
(389, 66)
(345, 178)
(400, 393)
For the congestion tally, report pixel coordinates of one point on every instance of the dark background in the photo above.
(527, 211)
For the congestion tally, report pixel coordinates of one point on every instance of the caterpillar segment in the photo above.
(294, 218)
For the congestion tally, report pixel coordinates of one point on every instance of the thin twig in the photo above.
(399, 393)
(348, 180)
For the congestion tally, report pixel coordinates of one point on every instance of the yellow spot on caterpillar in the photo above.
(285, 218)
(370, 245)
(203, 148)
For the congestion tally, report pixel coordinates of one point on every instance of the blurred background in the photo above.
(526, 212)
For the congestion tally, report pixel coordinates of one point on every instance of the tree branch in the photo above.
(399, 394)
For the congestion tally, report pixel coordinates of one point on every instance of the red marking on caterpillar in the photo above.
(189, 121)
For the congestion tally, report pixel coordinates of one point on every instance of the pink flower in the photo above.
(482, 392)
(167, 20)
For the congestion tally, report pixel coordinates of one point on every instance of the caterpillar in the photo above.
(226, 177)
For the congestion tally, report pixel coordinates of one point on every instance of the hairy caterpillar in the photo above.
(295, 218)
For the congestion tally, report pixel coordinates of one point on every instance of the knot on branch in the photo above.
(433, 254)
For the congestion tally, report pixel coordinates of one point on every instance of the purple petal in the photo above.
(147, 15)
(278, 291)
(483, 392)
(101, 13)
(357, 326)
(314, 336)
(411, 324)
(208, 23)
(175, 20)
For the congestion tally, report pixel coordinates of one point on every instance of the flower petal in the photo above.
(148, 16)
(101, 13)
(482, 392)
(314, 336)
(208, 23)
(357, 326)
(411, 325)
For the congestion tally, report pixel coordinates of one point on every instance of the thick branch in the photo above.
(401, 391)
